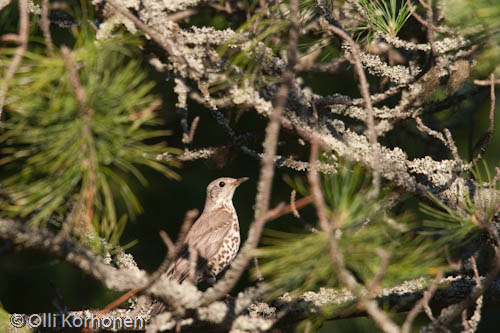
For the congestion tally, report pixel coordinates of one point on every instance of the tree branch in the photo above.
(400, 298)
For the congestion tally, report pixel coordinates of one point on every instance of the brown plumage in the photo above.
(215, 236)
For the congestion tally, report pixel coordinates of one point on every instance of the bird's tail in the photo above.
(179, 271)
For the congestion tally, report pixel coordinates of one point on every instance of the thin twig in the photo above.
(423, 128)
(496, 178)
(24, 24)
(430, 30)
(426, 23)
(45, 25)
(346, 277)
(424, 301)
(155, 105)
(316, 194)
(167, 241)
(4, 4)
(182, 15)
(448, 314)
(450, 143)
(379, 276)
(258, 273)
(486, 83)
(293, 206)
(120, 300)
(238, 266)
(14, 38)
(446, 139)
(485, 140)
(81, 96)
(172, 251)
(273, 128)
(212, 152)
(470, 325)
(188, 138)
(89, 188)
(186, 225)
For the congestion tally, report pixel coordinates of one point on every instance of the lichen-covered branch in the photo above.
(246, 313)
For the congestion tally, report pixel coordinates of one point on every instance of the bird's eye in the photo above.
(221, 184)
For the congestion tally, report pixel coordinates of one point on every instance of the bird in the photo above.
(214, 238)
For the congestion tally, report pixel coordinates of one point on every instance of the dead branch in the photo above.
(160, 40)
(448, 314)
(400, 298)
(422, 303)
(365, 92)
(485, 140)
(346, 277)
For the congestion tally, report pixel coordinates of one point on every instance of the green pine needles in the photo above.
(455, 227)
(67, 162)
(384, 16)
(366, 232)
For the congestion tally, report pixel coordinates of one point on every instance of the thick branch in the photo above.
(398, 299)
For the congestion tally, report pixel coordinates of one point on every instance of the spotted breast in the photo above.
(228, 250)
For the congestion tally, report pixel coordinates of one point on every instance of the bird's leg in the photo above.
(210, 279)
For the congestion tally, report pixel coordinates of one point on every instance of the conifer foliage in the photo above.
(78, 126)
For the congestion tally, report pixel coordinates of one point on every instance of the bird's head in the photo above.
(220, 191)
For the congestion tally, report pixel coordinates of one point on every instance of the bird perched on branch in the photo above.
(214, 239)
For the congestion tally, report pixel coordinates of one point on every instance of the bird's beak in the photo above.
(240, 180)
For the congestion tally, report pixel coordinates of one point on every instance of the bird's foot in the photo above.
(210, 279)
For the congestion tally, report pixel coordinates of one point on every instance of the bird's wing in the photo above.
(206, 236)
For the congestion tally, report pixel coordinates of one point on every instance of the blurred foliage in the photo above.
(478, 20)
(268, 29)
(296, 262)
(61, 163)
(246, 63)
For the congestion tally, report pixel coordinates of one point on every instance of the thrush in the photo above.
(214, 238)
